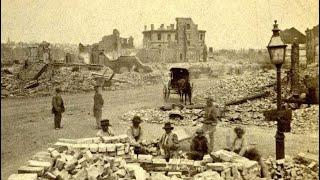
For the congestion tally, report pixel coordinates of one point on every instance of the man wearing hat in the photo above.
(135, 132)
(105, 129)
(199, 146)
(98, 104)
(57, 108)
(210, 121)
(169, 142)
(239, 144)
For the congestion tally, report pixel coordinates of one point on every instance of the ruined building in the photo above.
(112, 46)
(181, 43)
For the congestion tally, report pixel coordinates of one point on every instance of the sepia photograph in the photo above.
(159, 89)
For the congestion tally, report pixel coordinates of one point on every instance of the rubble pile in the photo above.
(113, 158)
(72, 82)
(157, 116)
(305, 120)
(300, 167)
(231, 88)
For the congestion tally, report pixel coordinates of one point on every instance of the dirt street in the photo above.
(27, 124)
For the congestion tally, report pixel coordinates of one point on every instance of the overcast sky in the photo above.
(229, 23)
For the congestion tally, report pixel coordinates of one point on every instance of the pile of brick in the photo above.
(303, 166)
(113, 158)
(72, 82)
(304, 120)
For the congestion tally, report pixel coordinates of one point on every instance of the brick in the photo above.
(81, 175)
(178, 174)
(102, 147)
(43, 158)
(64, 175)
(45, 165)
(94, 148)
(60, 147)
(120, 152)
(85, 141)
(50, 175)
(217, 166)
(159, 161)
(28, 169)
(71, 164)
(119, 146)
(55, 154)
(280, 161)
(43, 153)
(207, 159)
(145, 158)
(111, 147)
(23, 177)
(70, 141)
(88, 155)
(60, 163)
(121, 173)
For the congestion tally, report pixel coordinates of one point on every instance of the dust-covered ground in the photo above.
(27, 124)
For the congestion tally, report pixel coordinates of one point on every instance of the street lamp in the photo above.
(277, 53)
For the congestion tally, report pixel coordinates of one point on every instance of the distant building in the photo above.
(112, 46)
(312, 45)
(183, 43)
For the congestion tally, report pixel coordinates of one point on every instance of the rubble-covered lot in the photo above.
(232, 88)
(72, 82)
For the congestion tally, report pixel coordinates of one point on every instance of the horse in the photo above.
(184, 89)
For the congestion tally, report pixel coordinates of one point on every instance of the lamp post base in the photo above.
(279, 145)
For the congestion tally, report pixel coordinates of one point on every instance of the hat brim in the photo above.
(168, 128)
(105, 124)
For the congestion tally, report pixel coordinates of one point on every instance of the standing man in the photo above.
(57, 108)
(199, 146)
(98, 104)
(169, 142)
(210, 122)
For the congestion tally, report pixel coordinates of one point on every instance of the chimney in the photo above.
(172, 26)
(152, 26)
(145, 27)
(162, 26)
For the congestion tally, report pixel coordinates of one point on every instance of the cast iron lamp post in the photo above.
(277, 53)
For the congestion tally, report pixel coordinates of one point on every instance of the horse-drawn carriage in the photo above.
(178, 83)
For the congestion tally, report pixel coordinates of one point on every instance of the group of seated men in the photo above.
(168, 143)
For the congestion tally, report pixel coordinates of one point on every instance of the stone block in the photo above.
(27, 169)
(29, 176)
(111, 147)
(102, 147)
(71, 164)
(50, 149)
(121, 173)
(85, 141)
(81, 175)
(69, 141)
(207, 159)
(120, 146)
(218, 166)
(63, 175)
(60, 163)
(88, 155)
(159, 162)
(50, 175)
(45, 165)
(177, 174)
(120, 152)
(55, 154)
(145, 158)
(94, 148)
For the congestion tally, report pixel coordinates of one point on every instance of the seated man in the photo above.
(239, 144)
(105, 130)
(135, 134)
(169, 142)
(199, 146)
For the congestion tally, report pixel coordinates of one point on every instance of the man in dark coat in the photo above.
(57, 108)
(98, 104)
(199, 146)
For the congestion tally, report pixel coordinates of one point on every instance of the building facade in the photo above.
(183, 43)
